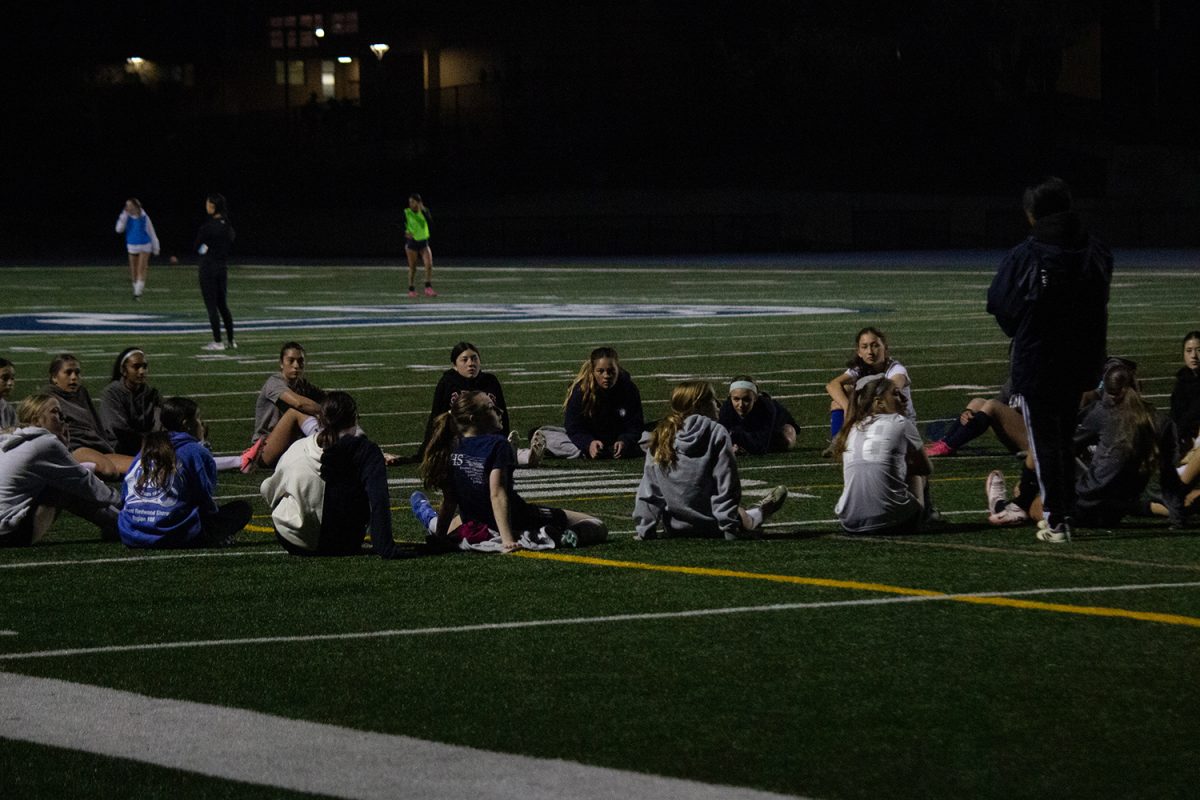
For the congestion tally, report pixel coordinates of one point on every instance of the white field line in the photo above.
(141, 559)
(572, 621)
(313, 758)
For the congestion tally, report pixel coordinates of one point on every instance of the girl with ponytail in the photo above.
(330, 489)
(471, 463)
(690, 480)
(884, 465)
(169, 490)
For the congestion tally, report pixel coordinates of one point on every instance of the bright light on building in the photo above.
(380, 50)
(134, 60)
(345, 60)
(319, 33)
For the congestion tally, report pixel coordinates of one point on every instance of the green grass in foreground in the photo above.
(918, 699)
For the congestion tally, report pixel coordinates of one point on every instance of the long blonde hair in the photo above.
(863, 397)
(31, 410)
(688, 398)
(465, 412)
(586, 379)
(1136, 417)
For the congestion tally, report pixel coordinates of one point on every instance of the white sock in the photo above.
(228, 462)
(309, 426)
(432, 526)
(90, 466)
(523, 457)
(756, 517)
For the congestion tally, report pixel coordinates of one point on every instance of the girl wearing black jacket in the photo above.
(213, 242)
(464, 375)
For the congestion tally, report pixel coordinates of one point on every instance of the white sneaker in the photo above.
(1011, 514)
(997, 492)
(773, 501)
(1059, 534)
(214, 346)
(232, 345)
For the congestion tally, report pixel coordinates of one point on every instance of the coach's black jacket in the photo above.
(1051, 296)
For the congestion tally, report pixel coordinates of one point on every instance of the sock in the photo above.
(961, 434)
(756, 517)
(1028, 488)
(428, 285)
(837, 418)
(412, 288)
(228, 462)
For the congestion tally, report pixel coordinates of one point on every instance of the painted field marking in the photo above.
(902, 595)
(145, 559)
(310, 757)
(984, 598)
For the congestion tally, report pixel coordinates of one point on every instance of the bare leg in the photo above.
(590, 530)
(1008, 424)
(133, 266)
(143, 267)
(427, 259)
(412, 266)
(789, 436)
(286, 431)
(109, 466)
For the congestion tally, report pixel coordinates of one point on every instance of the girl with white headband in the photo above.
(884, 466)
(129, 406)
(757, 423)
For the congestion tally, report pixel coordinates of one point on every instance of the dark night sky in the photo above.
(928, 96)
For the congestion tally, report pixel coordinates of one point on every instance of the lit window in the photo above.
(328, 79)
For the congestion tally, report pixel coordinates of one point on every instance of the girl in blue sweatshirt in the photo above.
(169, 489)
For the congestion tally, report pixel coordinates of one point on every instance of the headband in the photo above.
(743, 385)
(128, 355)
(867, 380)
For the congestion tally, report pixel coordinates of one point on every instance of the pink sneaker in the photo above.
(412, 293)
(429, 292)
(249, 457)
(938, 448)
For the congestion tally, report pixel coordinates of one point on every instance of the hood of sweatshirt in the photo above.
(694, 438)
(19, 436)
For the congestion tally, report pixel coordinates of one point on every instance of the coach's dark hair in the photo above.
(58, 362)
(118, 370)
(289, 346)
(461, 348)
(338, 412)
(1051, 196)
(220, 206)
(4, 362)
(177, 415)
(1187, 337)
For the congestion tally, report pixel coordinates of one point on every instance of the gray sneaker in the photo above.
(537, 448)
(773, 501)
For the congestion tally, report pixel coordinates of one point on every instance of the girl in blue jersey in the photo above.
(168, 492)
(472, 464)
(140, 242)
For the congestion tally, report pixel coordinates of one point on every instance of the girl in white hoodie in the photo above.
(690, 479)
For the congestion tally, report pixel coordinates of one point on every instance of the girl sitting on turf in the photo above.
(286, 410)
(870, 358)
(90, 444)
(1117, 454)
(169, 491)
(129, 406)
(330, 489)
(39, 477)
(472, 465)
(884, 467)
(602, 413)
(690, 479)
(466, 376)
(757, 423)
(8, 379)
(1185, 397)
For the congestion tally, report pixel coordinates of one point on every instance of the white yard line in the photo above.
(576, 621)
(263, 749)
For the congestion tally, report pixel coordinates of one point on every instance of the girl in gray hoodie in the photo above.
(690, 479)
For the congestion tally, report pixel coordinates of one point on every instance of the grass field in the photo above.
(969, 662)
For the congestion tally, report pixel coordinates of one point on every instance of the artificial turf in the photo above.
(899, 699)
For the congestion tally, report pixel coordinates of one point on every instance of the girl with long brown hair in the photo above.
(472, 464)
(690, 480)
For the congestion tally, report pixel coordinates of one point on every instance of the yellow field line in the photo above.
(1007, 602)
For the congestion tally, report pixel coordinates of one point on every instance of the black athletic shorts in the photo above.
(415, 246)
